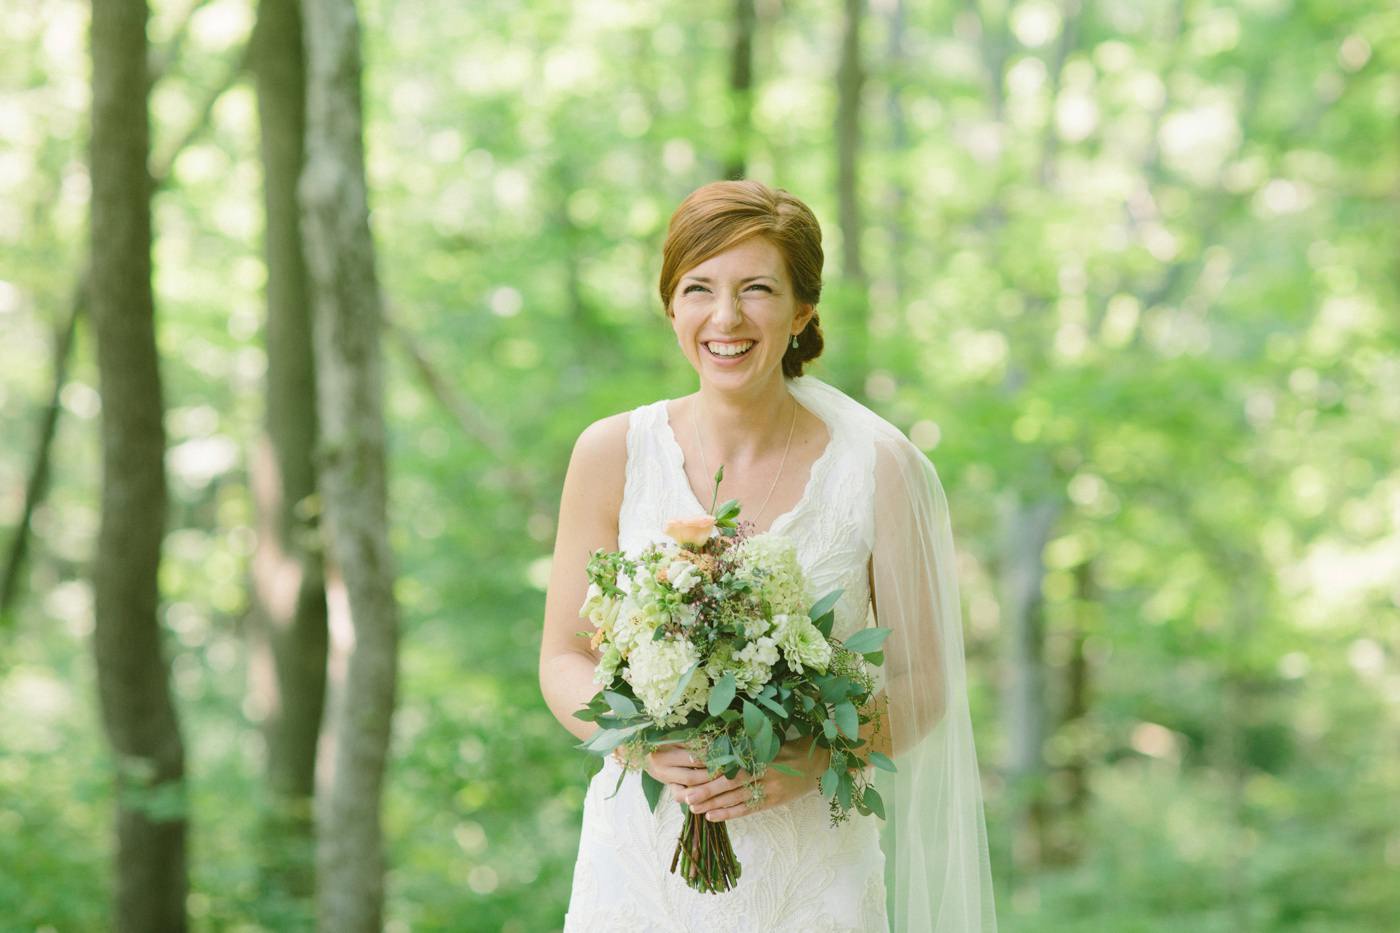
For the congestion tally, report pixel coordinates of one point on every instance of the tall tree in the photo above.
(287, 634)
(740, 89)
(133, 680)
(850, 83)
(362, 668)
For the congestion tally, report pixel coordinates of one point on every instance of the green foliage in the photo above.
(1152, 281)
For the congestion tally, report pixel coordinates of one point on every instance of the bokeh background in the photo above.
(1126, 269)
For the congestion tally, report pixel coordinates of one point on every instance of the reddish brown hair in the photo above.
(719, 215)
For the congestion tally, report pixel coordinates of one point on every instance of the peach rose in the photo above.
(692, 531)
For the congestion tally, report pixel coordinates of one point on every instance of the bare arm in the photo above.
(588, 510)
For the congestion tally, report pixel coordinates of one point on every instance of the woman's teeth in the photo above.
(729, 349)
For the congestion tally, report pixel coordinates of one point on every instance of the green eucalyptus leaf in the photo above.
(880, 761)
(823, 605)
(848, 720)
(721, 695)
(867, 639)
(682, 684)
(652, 788)
(623, 706)
(829, 782)
(874, 801)
(753, 719)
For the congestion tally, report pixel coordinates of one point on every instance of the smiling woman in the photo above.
(743, 264)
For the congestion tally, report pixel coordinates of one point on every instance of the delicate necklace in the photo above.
(781, 463)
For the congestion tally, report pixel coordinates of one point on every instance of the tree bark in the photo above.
(138, 713)
(854, 328)
(741, 89)
(1027, 526)
(287, 630)
(351, 477)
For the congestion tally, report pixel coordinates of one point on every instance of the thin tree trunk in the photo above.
(1073, 811)
(287, 632)
(138, 713)
(351, 477)
(897, 195)
(37, 485)
(1026, 529)
(855, 326)
(741, 89)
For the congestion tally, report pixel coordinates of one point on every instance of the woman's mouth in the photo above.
(728, 349)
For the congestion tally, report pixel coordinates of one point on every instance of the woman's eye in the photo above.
(687, 289)
(759, 285)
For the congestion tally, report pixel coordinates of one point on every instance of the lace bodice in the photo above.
(831, 523)
(800, 872)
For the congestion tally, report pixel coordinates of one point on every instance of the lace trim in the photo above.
(815, 473)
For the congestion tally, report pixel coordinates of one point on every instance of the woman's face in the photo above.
(736, 299)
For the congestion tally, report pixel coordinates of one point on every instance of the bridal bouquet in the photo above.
(710, 639)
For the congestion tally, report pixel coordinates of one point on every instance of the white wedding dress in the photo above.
(800, 874)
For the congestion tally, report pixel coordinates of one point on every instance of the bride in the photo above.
(740, 283)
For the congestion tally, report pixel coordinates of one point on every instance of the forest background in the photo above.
(1128, 272)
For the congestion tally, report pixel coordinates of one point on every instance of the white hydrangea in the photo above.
(655, 667)
(755, 664)
(770, 562)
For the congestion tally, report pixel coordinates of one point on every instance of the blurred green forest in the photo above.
(1128, 270)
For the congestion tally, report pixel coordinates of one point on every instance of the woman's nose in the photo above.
(726, 307)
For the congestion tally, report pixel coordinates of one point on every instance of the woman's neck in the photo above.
(742, 429)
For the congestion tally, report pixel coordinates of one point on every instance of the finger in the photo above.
(728, 798)
(729, 813)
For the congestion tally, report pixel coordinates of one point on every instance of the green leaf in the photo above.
(875, 657)
(766, 746)
(721, 695)
(620, 704)
(843, 790)
(829, 727)
(880, 761)
(652, 788)
(848, 720)
(753, 719)
(727, 510)
(771, 705)
(874, 801)
(829, 782)
(834, 689)
(681, 684)
(786, 769)
(823, 605)
(867, 639)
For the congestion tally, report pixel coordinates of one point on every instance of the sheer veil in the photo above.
(934, 836)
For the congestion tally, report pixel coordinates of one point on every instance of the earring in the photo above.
(794, 341)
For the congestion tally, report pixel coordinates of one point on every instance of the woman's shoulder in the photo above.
(604, 442)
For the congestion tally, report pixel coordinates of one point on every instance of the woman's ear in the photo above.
(805, 313)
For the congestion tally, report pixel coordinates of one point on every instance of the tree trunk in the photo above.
(287, 632)
(1026, 529)
(897, 220)
(854, 327)
(352, 479)
(740, 90)
(138, 713)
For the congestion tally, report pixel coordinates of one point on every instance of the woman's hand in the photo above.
(674, 766)
(723, 798)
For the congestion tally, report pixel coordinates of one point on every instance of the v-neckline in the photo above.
(817, 466)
